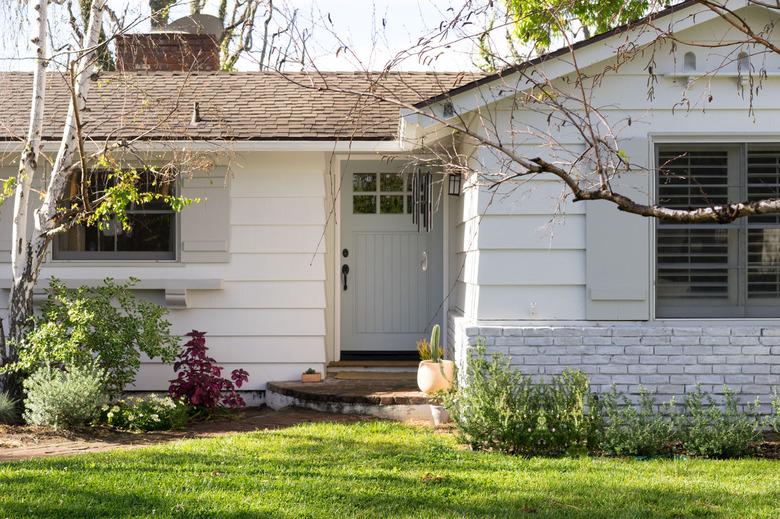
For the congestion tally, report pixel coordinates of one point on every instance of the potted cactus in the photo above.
(434, 373)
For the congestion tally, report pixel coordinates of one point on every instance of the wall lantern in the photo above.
(454, 184)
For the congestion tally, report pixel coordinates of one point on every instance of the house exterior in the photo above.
(328, 232)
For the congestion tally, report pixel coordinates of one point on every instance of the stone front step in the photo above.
(383, 398)
(408, 376)
(402, 366)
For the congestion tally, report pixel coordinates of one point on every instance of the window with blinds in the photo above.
(714, 270)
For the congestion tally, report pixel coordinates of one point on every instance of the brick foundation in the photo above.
(666, 360)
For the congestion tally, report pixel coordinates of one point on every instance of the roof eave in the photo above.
(498, 86)
(221, 145)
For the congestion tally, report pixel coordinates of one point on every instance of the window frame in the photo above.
(172, 256)
(697, 308)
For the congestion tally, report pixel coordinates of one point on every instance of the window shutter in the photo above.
(696, 263)
(763, 233)
(205, 227)
(617, 255)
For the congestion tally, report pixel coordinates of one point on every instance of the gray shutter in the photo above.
(618, 246)
(205, 227)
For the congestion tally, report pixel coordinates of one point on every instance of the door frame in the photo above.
(337, 164)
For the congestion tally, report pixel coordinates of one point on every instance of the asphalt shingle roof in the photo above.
(240, 106)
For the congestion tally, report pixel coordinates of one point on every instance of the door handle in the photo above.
(344, 274)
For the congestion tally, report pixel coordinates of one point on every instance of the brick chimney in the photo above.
(167, 51)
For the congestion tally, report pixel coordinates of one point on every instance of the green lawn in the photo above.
(376, 470)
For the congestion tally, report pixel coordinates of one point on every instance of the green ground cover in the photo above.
(376, 469)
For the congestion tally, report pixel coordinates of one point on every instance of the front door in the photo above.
(391, 273)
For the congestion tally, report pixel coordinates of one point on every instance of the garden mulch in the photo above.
(18, 442)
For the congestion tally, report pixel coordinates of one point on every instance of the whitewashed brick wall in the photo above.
(666, 360)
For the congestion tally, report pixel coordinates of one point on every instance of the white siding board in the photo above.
(531, 267)
(280, 174)
(538, 197)
(531, 302)
(156, 377)
(532, 232)
(266, 210)
(250, 322)
(278, 238)
(261, 294)
(259, 350)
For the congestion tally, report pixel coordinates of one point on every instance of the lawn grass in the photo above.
(376, 469)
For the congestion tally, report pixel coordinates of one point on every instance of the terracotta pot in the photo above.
(311, 377)
(435, 376)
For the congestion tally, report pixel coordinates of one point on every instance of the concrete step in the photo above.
(410, 376)
(383, 398)
(384, 366)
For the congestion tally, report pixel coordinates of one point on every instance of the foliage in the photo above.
(774, 420)
(713, 431)
(431, 350)
(8, 408)
(376, 469)
(64, 399)
(635, 430)
(108, 323)
(540, 21)
(199, 380)
(310, 371)
(148, 413)
(128, 187)
(500, 409)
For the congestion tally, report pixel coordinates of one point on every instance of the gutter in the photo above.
(335, 146)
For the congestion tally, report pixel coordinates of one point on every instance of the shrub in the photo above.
(501, 409)
(774, 419)
(199, 379)
(64, 399)
(148, 413)
(629, 430)
(108, 323)
(8, 409)
(713, 431)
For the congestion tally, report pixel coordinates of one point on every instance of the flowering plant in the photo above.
(148, 413)
(199, 379)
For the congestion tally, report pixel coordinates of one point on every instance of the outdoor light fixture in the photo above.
(454, 184)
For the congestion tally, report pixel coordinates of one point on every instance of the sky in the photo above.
(374, 30)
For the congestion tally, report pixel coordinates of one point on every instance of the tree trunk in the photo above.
(27, 253)
(20, 303)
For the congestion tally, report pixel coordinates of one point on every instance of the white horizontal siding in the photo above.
(532, 232)
(156, 377)
(531, 267)
(277, 238)
(261, 294)
(261, 349)
(530, 302)
(265, 210)
(269, 316)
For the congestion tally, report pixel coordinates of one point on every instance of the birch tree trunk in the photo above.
(28, 252)
(20, 305)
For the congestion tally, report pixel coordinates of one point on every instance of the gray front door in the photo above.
(392, 292)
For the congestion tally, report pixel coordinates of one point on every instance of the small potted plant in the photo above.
(434, 373)
(311, 375)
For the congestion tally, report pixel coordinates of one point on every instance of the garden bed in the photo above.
(29, 441)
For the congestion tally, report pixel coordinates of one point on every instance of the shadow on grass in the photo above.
(371, 471)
